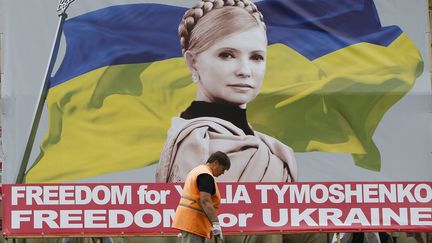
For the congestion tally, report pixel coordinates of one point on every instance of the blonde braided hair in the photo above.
(193, 15)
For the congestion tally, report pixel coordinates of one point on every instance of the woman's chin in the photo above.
(238, 99)
(239, 103)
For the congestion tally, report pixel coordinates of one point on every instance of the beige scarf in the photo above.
(254, 158)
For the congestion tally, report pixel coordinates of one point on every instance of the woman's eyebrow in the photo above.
(258, 51)
(227, 49)
(237, 50)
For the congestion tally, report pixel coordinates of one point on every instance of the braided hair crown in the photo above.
(194, 14)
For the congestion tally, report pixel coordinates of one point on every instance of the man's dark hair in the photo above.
(221, 157)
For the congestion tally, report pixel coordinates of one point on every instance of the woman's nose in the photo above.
(244, 69)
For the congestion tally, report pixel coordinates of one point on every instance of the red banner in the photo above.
(148, 209)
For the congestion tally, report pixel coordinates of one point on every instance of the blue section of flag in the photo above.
(141, 33)
(134, 33)
(314, 44)
(316, 28)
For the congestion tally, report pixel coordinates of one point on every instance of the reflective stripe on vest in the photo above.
(192, 203)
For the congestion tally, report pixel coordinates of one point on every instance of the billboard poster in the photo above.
(138, 209)
(293, 91)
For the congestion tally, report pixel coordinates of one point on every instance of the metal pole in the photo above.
(63, 5)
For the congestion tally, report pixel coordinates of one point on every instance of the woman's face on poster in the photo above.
(232, 69)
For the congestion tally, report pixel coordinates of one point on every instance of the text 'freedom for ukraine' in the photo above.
(282, 217)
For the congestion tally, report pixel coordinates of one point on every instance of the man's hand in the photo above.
(217, 230)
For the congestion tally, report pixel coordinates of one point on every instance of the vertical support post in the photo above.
(63, 5)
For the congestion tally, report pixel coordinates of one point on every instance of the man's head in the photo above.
(219, 163)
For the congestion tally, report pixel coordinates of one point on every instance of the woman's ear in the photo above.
(190, 61)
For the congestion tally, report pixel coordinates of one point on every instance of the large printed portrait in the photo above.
(290, 90)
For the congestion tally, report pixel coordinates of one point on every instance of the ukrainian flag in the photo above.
(333, 71)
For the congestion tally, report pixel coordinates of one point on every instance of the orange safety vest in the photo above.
(189, 215)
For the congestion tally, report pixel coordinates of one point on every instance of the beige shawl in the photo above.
(254, 158)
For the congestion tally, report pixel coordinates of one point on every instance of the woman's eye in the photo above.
(226, 55)
(257, 57)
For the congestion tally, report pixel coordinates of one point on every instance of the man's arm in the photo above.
(207, 205)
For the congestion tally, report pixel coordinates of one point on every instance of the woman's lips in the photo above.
(241, 88)
(246, 86)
